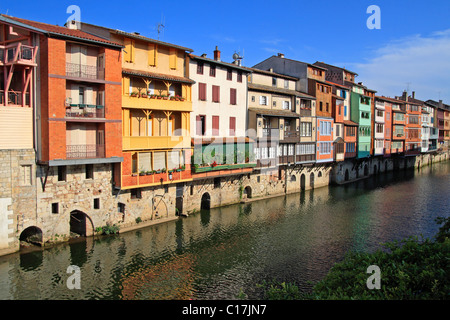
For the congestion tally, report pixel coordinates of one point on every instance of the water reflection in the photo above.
(216, 253)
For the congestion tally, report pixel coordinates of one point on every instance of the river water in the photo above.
(220, 253)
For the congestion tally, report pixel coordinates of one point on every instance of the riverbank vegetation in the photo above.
(411, 269)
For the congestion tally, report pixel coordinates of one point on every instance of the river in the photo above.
(220, 253)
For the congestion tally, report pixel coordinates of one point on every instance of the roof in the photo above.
(274, 112)
(350, 123)
(271, 73)
(260, 87)
(296, 61)
(337, 85)
(390, 99)
(159, 76)
(225, 64)
(330, 65)
(436, 105)
(59, 31)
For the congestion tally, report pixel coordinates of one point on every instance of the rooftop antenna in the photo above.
(407, 87)
(160, 26)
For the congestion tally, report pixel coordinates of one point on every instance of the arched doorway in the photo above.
(303, 182)
(311, 180)
(32, 235)
(80, 224)
(248, 192)
(346, 176)
(206, 202)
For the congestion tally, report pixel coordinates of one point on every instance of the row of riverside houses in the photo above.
(101, 127)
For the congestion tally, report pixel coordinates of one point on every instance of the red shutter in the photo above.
(215, 125)
(202, 91)
(232, 96)
(216, 94)
(232, 126)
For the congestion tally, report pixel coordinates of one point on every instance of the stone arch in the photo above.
(32, 235)
(320, 174)
(311, 180)
(293, 178)
(205, 202)
(303, 181)
(248, 192)
(81, 224)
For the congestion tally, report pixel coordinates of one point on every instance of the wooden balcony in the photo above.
(155, 103)
(157, 142)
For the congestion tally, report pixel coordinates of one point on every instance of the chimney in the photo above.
(281, 55)
(73, 25)
(441, 105)
(204, 55)
(217, 54)
(413, 94)
(404, 95)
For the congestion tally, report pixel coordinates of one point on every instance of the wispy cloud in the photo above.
(420, 63)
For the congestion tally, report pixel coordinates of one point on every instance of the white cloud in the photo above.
(419, 62)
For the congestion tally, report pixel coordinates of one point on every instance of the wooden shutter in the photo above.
(232, 126)
(216, 93)
(126, 85)
(145, 161)
(202, 91)
(173, 59)
(232, 96)
(159, 160)
(152, 54)
(173, 159)
(129, 50)
(215, 125)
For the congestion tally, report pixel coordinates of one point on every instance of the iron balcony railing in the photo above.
(14, 98)
(77, 70)
(85, 151)
(86, 113)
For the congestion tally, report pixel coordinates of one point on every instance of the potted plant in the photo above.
(165, 97)
(134, 94)
(142, 173)
(144, 95)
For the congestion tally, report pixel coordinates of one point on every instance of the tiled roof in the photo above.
(260, 87)
(275, 112)
(350, 123)
(226, 64)
(62, 31)
(159, 76)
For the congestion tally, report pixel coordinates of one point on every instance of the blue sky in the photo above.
(410, 51)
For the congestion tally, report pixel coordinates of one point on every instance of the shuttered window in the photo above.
(159, 160)
(215, 125)
(173, 160)
(152, 54)
(129, 50)
(232, 126)
(126, 85)
(233, 96)
(145, 161)
(173, 59)
(202, 91)
(215, 93)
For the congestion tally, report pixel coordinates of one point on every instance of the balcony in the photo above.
(18, 54)
(81, 71)
(157, 142)
(85, 111)
(271, 133)
(305, 112)
(15, 98)
(85, 151)
(291, 136)
(156, 103)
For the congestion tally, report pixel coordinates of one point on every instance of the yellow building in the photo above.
(156, 107)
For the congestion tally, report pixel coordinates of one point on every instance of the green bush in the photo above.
(108, 229)
(411, 269)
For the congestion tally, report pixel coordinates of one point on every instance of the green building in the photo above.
(361, 114)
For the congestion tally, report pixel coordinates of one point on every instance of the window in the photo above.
(320, 106)
(121, 207)
(233, 96)
(199, 67)
(264, 153)
(305, 149)
(96, 203)
(253, 98)
(286, 84)
(62, 173)
(173, 59)
(274, 81)
(286, 105)
(345, 111)
(215, 94)
(55, 208)
(215, 125)
(327, 107)
(232, 126)
(271, 152)
(325, 147)
(202, 91)
(305, 129)
(201, 125)
(26, 175)
(239, 76)
(212, 71)
(380, 128)
(89, 171)
(136, 193)
(291, 149)
(229, 74)
(350, 131)
(263, 100)
(325, 128)
(216, 183)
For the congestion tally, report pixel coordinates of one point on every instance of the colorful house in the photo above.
(219, 118)
(156, 106)
(413, 128)
(361, 114)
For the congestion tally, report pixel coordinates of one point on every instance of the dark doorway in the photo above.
(206, 202)
(32, 235)
(366, 170)
(248, 192)
(80, 224)
(346, 177)
(302, 182)
(179, 199)
(311, 180)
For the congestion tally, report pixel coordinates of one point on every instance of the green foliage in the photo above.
(108, 229)
(411, 269)
(138, 220)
